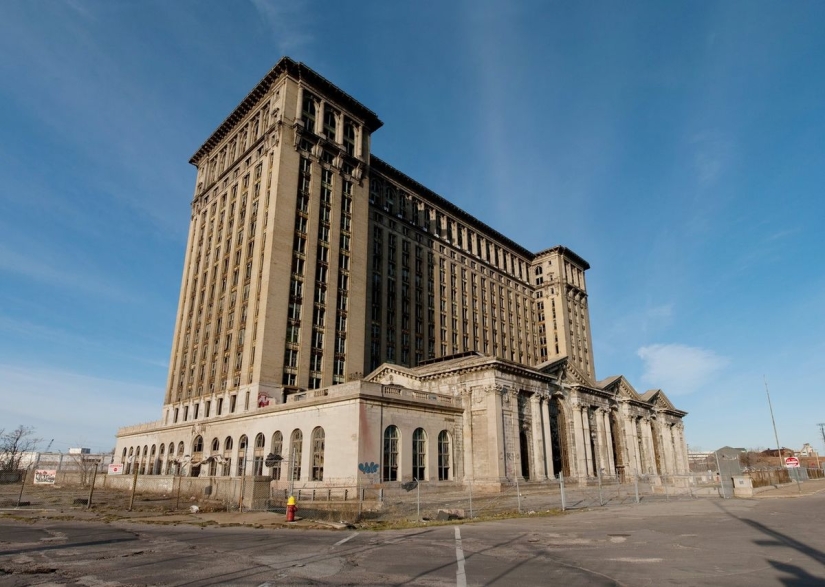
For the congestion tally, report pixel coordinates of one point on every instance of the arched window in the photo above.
(197, 446)
(277, 450)
(169, 462)
(390, 472)
(242, 443)
(443, 455)
(296, 442)
(227, 456)
(419, 454)
(258, 456)
(318, 454)
(151, 470)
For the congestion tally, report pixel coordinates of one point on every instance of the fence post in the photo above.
(418, 501)
(134, 484)
(471, 499)
(561, 487)
(22, 485)
(636, 485)
(92, 489)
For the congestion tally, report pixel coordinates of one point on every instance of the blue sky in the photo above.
(678, 147)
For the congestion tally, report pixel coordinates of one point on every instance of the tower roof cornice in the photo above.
(565, 252)
(300, 72)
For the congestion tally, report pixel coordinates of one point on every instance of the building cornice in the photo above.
(300, 72)
(565, 252)
(439, 201)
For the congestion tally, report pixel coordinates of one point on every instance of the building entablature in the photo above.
(445, 206)
(300, 73)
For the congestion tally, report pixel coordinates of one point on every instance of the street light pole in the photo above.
(775, 435)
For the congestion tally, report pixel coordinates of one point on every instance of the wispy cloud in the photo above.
(781, 234)
(287, 21)
(51, 274)
(712, 152)
(74, 408)
(57, 337)
(679, 369)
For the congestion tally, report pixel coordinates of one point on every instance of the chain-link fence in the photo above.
(372, 501)
(384, 502)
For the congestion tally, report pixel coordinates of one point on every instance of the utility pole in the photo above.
(775, 435)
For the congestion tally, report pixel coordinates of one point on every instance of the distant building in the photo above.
(335, 312)
(807, 450)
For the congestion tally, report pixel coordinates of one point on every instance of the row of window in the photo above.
(171, 460)
(392, 462)
(211, 346)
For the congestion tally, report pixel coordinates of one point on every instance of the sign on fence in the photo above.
(791, 462)
(45, 476)
(115, 468)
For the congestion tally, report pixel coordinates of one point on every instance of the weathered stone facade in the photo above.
(335, 313)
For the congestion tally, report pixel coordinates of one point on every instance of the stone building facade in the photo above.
(335, 313)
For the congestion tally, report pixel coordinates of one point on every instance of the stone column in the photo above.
(588, 448)
(681, 446)
(300, 107)
(495, 422)
(600, 457)
(630, 443)
(650, 452)
(578, 465)
(608, 443)
(339, 128)
(467, 432)
(319, 117)
(670, 440)
(539, 472)
(548, 439)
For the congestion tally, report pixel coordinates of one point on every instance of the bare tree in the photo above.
(15, 444)
(85, 465)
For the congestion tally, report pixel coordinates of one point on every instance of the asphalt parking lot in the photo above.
(768, 541)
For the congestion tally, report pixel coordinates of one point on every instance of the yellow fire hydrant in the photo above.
(290, 509)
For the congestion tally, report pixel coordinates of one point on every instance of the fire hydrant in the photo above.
(290, 509)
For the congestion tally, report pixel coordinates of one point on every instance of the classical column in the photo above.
(588, 446)
(319, 117)
(600, 457)
(670, 440)
(467, 426)
(299, 108)
(650, 451)
(495, 422)
(539, 472)
(681, 446)
(578, 466)
(339, 128)
(548, 439)
(608, 443)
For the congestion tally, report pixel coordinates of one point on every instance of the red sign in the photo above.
(791, 462)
